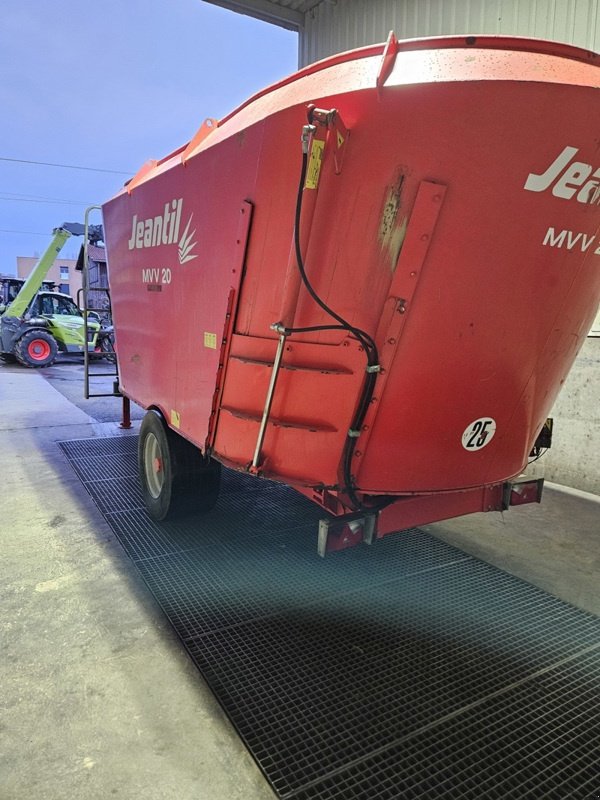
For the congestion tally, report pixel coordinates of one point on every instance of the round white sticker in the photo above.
(479, 433)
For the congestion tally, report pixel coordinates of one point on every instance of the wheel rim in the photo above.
(153, 466)
(38, 350)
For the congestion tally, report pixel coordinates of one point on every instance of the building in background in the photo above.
(66, 275)
(98, 295)
(62, 273)
(98, 270)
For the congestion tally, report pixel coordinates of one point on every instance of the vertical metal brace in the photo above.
(322, 539)
(369, 528)
(125, 413)
(86, 285)
(402, 292)
(270, 393)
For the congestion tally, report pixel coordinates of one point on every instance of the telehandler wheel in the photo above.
(176, 480)
(36, 349)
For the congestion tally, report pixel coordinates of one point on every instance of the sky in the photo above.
(108, 86)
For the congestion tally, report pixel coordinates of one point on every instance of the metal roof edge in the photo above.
(264, 10)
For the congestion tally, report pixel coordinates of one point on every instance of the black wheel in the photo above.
(176, 479)
(107, 349)
(36, 349)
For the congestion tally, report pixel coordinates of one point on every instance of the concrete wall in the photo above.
(574, 459)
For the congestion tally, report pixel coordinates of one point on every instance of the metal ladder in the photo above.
(85, 292)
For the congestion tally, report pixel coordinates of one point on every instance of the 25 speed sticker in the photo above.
(479, 433)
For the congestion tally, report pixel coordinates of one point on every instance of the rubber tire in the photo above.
(108, 351)
(190, 483)
(22, 349)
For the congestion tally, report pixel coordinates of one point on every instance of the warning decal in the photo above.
(210, 340)
(314, 164)
(175, 418)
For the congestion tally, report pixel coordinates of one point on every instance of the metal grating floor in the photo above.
(403, 670)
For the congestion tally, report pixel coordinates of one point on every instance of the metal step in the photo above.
(324, 369)
(315, 426)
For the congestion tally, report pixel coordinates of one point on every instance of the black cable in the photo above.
(363, 337)
(64, 166)
(539, 455)
(313, 328)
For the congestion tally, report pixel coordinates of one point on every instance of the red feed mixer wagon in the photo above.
(368, 282)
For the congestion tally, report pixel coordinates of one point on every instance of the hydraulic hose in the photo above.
(366, 341)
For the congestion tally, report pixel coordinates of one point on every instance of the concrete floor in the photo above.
(98, 697)
(554, 545)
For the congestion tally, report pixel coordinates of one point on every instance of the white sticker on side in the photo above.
(479, 433)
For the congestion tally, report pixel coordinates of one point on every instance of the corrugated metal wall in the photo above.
(334, 27)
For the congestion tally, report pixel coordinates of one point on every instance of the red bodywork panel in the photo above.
(453, 214)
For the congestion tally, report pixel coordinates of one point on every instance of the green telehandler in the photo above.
(37, 325)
